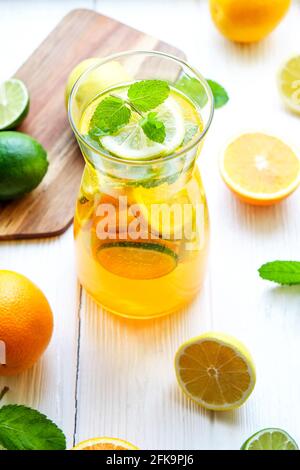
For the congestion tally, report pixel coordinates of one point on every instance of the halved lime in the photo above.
(131, 142)
(137, 260)
(14, 103)
(270, 439)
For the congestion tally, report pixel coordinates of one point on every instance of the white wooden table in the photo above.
(106, 376)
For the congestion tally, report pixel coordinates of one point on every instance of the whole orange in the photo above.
(247, 20)
(26, 323)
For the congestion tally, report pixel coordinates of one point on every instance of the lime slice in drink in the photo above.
(270, 439)
(14, 103)
(137, 260)
(131, 142)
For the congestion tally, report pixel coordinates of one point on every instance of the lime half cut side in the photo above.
(137, 260)
(131, 142)
(14, 103)
(270, 439)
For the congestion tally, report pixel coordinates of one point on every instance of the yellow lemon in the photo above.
(216, 371)
(97, 80)
(247, 20)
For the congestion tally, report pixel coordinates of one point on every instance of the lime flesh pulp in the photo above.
(270, 439)
(14, 103)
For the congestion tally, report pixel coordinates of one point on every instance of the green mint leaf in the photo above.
(148, 94)
(110, 114)
(193, 89)
(95, 133)
(22, 428)
(153, 128)
(282, 272)
(219, 93)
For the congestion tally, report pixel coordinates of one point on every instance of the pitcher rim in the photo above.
(160, 159)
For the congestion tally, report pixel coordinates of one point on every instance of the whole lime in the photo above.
(23, 164)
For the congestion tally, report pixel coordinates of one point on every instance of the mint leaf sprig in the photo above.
(111, 114)
(114, 112)
(153, 128)
(23, 428)
(196, 91)
(281, 272)
(148, 94)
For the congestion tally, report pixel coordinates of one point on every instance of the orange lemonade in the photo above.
(141, 221)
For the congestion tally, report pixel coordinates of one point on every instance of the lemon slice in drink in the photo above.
(289, 83)
(168, 215)
(131, 142)
(14, 103)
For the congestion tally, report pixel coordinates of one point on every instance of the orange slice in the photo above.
(105, 443)
(216, 371)
(137, 260)
(260, 169)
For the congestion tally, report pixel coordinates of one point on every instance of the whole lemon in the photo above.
(97, 80)
(75, 74)
(247, 21)
(26, 323)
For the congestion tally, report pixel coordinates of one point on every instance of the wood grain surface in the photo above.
(48, 210)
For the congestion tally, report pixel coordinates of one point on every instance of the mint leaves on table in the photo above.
(282, 272)
(153, 128)
(195, 90)
(114, 112)
(22, 428)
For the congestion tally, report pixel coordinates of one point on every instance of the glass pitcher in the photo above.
(141, 222)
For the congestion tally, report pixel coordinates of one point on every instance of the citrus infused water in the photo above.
(141, 221)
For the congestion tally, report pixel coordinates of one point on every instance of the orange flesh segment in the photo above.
(105, 443)
(260, 164)
(104, 446)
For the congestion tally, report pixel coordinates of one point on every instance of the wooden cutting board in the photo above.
(48, 211)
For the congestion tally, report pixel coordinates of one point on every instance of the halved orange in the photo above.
(260, 169)
(105, 443)
(137, 260)
(216, 371)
